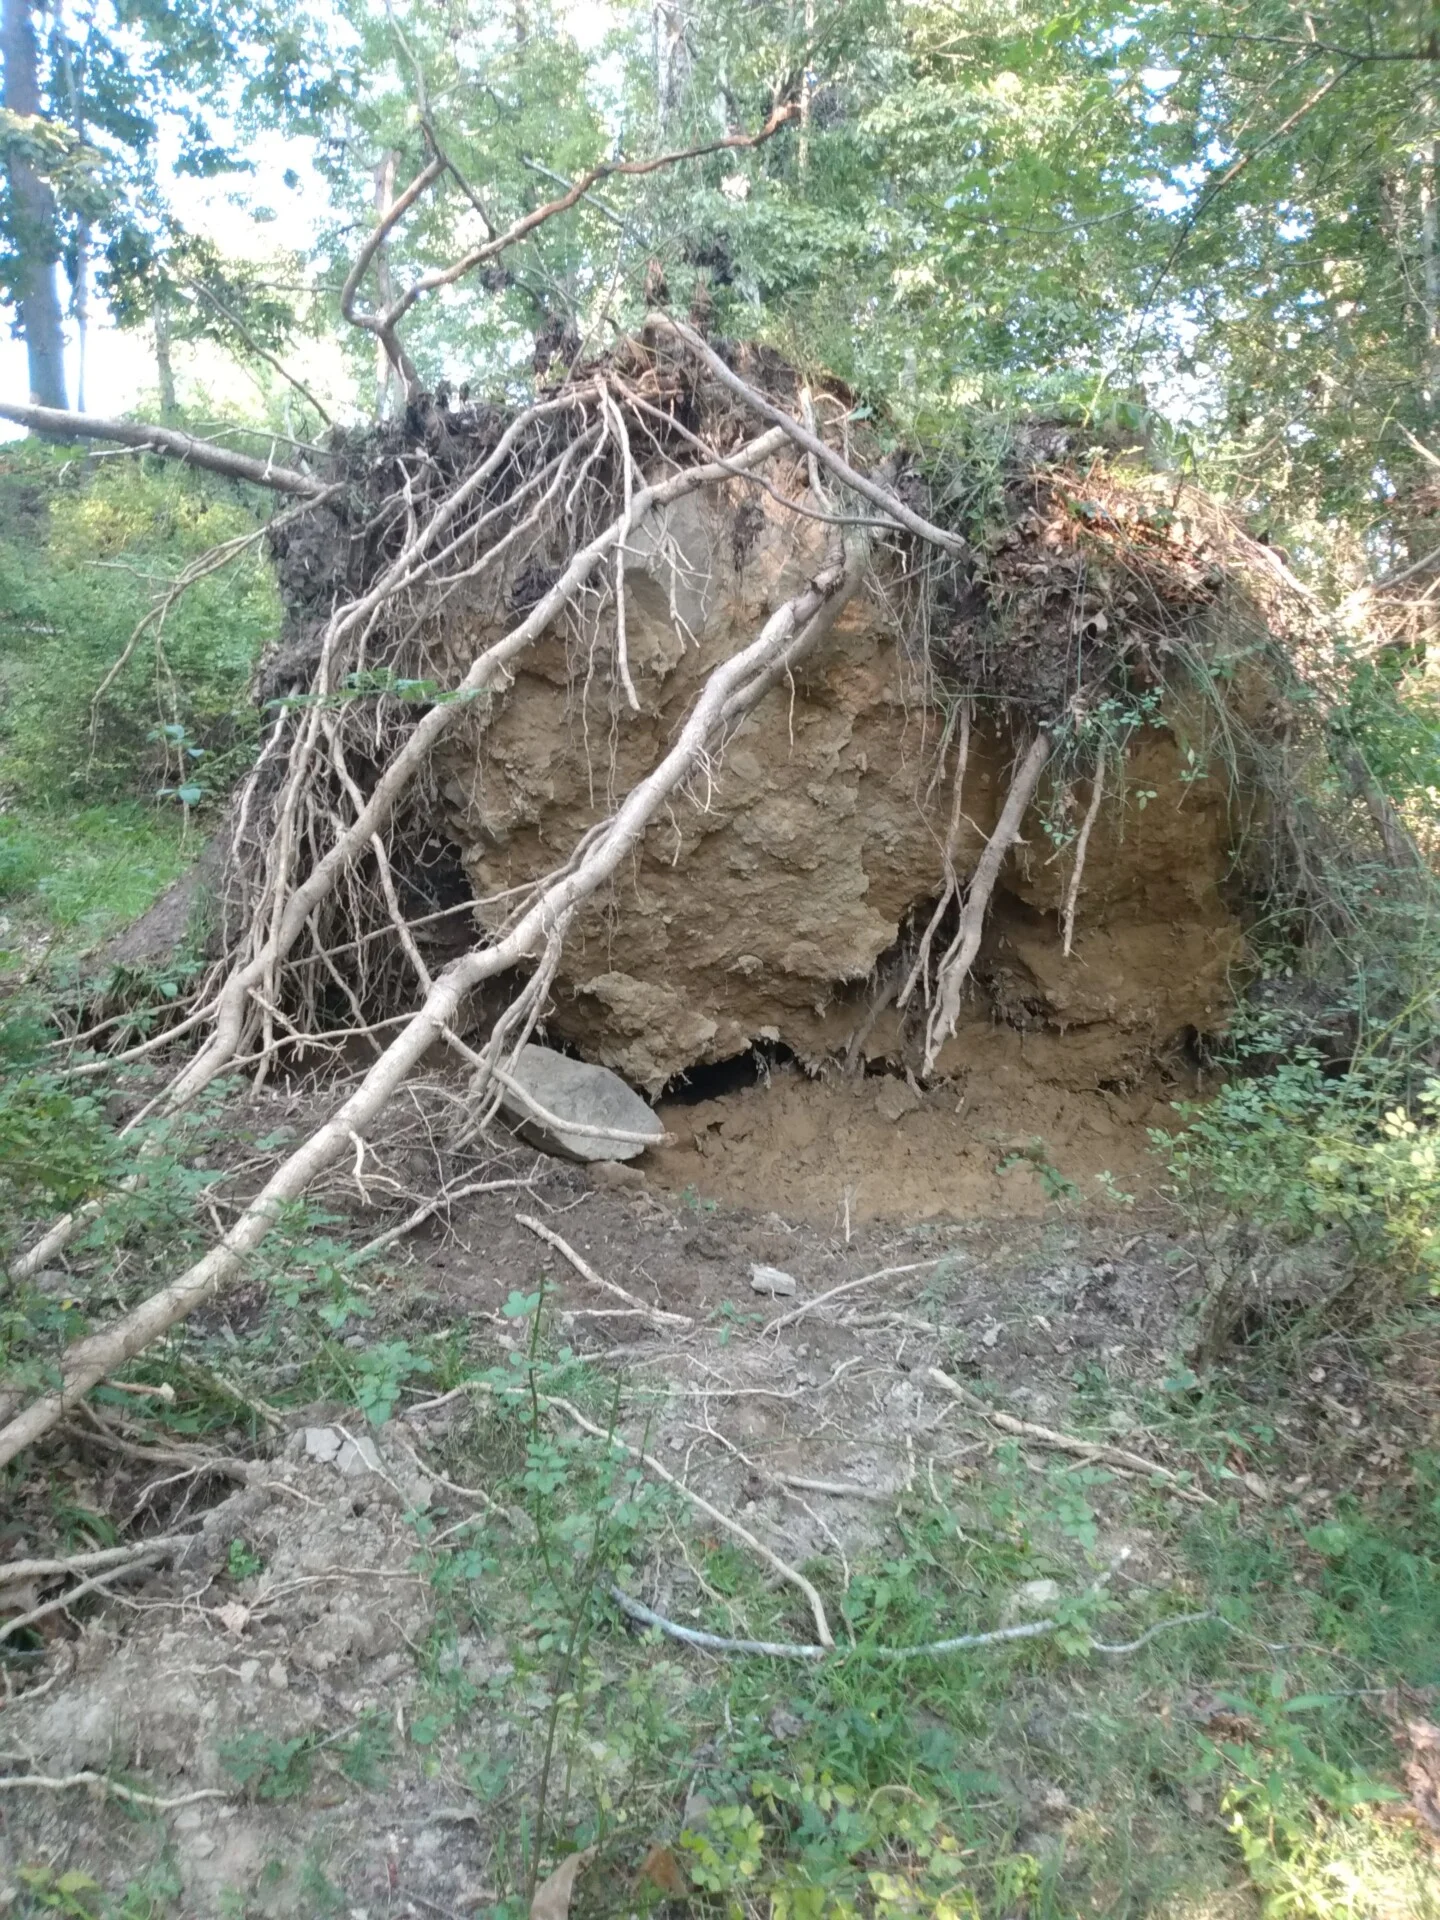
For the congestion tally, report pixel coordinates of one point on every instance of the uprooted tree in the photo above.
(428, 562)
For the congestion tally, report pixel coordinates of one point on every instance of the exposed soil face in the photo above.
(768, 908)
(1004, 1138)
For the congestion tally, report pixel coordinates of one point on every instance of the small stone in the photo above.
(786, 1725)
(1030, 1601)
(773, 1280)
(322, 1443)
(248, 1671)
(895, 1099)
(190, 1819)
(358, 1456)
(278, 1677)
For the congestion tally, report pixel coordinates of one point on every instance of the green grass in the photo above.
(78, 875)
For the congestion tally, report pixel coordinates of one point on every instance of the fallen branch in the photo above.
(94, 1583)
(929, 1650)
(846, 1286)
(60, 425)
(954, 968)
(1067, 1443)
(587, 1272)
(61, 1783)
(730, 691)
(19, 1570)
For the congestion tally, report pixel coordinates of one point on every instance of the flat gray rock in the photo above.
(772, 1280)
(580, 1097)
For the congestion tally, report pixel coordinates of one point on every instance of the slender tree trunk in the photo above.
(80, 276)
(164, 366)
(1430, 263)
(34, 229)
(807, 88)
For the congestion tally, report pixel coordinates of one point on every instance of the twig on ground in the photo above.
(19, 1570)
(846, 1286)
(95, 1583)
(1067, 1443)
(929, 1650)
(839, 1489)
(61, 1783)
(444, 1199)
(587, 1272)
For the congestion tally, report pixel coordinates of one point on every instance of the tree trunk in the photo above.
(164, 368)
(80, 272)
(34, 230)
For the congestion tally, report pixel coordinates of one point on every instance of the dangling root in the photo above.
(1072, 892)
(729, 692)
(920, 970)
(955, 966)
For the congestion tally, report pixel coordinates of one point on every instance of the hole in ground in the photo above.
(752, 1068)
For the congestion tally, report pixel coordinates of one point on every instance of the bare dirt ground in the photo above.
(313, 1654)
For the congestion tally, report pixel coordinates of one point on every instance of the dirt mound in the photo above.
(775, 907)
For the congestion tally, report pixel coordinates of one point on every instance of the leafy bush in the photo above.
(86, 549)
(1303, 1153)
(55, 1146)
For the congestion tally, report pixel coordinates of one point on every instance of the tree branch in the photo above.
(383, 323)
(59, 424)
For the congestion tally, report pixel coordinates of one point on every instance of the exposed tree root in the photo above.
(1082, 843)
(951, 887)
(955, 965)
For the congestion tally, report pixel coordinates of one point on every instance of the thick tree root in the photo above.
(959, 957)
